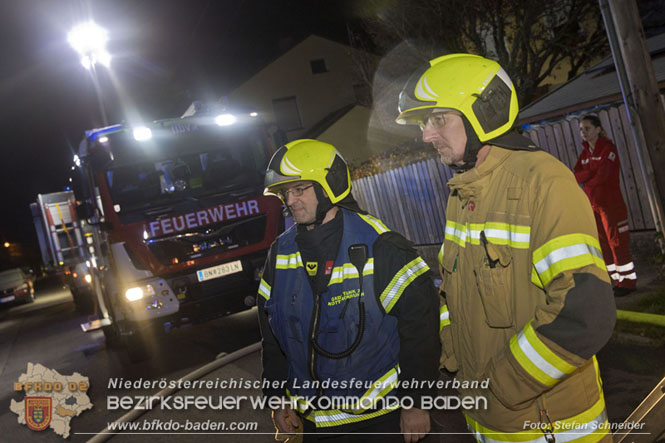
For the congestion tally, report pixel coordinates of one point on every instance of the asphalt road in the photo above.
(48, 332)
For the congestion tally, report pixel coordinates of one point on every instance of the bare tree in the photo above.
(530, 39)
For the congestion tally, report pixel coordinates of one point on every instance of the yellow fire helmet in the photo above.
(309, 160)
(477, 87)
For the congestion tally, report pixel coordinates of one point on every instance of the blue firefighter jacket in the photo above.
(368, 376)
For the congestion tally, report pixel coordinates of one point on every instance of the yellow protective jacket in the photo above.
(527, 301)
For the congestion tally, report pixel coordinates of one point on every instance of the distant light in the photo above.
(145, 235)
(73, 168)
(225, 119)
(89, 40)
(77, 160)
(253, 114)
(142, 133)
(7, 244)
(88, 278)
(103, 139)
(70, 179)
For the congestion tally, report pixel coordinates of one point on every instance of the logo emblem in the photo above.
(472, 206)
(612, 156)
(312, 267)
(38, 412)
(329, 267)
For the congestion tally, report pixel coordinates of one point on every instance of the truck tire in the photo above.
(136, 345)
(136, 350)
(83, 301)
(111, 335)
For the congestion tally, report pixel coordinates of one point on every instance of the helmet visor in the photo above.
(407, 98)
(274, 177)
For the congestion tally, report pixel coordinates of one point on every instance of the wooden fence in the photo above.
(412, 199)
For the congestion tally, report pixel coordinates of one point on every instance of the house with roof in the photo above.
(553, 123)
(313, 91)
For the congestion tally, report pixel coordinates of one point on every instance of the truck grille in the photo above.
(209, 240)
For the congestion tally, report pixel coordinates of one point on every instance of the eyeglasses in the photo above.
(436, 120)
(297, 191)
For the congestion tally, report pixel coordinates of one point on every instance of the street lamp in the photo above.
(89, 40)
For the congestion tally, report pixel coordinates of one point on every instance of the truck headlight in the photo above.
(141, 133)
(137, 293)
(225, 119)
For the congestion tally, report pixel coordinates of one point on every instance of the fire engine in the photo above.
(180, 223)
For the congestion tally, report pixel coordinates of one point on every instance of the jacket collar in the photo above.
(468, 183)
(600, 144)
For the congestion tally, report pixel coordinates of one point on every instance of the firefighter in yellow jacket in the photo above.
(527, 302)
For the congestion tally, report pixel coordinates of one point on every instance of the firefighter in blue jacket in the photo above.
(347, 310)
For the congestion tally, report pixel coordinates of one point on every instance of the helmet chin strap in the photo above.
(473, 145)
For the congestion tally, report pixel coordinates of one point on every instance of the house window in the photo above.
(318, 66)
(287, 114)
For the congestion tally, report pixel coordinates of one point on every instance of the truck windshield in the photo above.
(184, 166)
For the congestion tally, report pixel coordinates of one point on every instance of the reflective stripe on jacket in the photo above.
(526, 292)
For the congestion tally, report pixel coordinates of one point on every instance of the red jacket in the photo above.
(599, 173)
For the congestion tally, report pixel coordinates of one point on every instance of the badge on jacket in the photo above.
(311, 267)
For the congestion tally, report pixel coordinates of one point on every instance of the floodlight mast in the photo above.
(89, 41)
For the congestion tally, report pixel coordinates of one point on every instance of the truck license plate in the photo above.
(219, 270)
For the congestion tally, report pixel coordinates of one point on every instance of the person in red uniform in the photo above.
(598, 170)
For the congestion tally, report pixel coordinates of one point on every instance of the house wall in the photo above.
(354, 137)
(317, 95)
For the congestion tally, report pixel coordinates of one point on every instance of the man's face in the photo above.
(445, 130)
(302, 202)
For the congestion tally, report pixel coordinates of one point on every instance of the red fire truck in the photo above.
(180, 222)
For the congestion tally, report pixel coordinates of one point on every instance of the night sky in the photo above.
(166, 53)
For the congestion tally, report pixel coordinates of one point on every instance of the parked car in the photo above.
(15, 286)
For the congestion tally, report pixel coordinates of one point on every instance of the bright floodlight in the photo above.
(142, 133)
(89, 40)
(253, 114)
(225, 119)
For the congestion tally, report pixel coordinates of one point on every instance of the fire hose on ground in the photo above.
(194, 375)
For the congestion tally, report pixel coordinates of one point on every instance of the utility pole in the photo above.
(641, 96)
